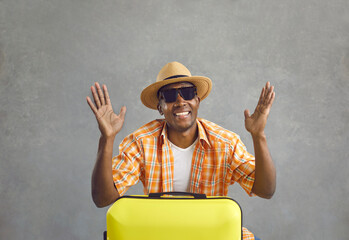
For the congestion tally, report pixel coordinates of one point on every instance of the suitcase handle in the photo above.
(195, 195)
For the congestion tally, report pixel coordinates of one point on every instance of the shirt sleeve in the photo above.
(126, 166)
(243, 167)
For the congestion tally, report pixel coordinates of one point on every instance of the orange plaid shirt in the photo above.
(219, 160)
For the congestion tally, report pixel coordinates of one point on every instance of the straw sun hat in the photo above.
(174, 72)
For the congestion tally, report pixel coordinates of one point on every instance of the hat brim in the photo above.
(149, 95)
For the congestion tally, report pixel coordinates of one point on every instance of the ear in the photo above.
(159, 109)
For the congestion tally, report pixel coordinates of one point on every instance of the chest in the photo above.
(208, 168)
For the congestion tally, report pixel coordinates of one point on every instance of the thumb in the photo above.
(247, 113)
(122, 112)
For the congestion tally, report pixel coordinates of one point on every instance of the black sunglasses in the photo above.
(170, 95)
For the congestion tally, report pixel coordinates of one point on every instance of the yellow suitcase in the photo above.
(174, 216)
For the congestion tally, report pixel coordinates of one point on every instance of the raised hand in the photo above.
(256, 122)
(108, 122)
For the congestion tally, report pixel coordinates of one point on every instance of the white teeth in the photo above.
(182, 113)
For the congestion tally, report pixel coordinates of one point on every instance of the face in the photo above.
(180, 115)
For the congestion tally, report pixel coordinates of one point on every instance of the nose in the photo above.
(179, 100)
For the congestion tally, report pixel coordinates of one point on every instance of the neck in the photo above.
(183, 139)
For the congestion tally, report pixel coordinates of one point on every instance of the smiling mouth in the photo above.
(182, 114)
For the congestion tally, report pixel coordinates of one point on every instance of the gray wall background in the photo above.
(51, 52)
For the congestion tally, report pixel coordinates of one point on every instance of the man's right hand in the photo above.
(108, 122)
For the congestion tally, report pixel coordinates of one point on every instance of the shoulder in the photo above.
(216, 133)
(151, 129)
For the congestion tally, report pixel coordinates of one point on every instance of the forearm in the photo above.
(103, 189)
(265, 174)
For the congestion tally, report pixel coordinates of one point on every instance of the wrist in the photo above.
(105, 138)
(258, 136)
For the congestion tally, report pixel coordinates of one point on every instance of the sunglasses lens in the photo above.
(170, 95)
(187, 93)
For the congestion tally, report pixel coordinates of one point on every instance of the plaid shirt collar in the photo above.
(204, 142)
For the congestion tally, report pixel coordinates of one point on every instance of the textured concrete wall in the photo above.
(51, 52)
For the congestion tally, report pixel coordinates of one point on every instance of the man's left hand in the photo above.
(256, 122)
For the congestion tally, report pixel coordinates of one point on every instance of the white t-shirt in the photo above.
(182, 166)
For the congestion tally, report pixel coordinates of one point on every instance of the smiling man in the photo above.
(180, 152)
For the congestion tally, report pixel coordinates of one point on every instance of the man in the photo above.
(181, 152)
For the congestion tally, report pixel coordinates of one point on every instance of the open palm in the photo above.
(109, 123)
(256, 122)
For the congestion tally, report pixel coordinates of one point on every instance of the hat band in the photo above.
(176, 76)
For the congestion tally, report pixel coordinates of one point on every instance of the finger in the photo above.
(95, 97)
(107, 98)
(92, 106)
(270, 94)
(261, 97)
(267, 89)
(100, 93)
(122, 112)
(247, 113)
(272, 99)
